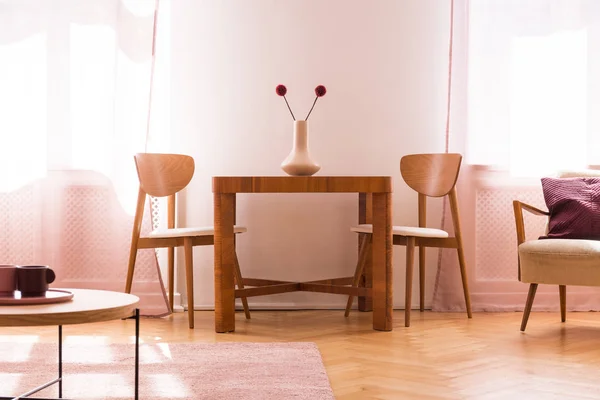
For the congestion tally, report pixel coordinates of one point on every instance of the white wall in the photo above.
(384, 63)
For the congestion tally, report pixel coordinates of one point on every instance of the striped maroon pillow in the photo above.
(574, 206)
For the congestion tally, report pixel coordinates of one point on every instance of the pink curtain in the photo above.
(515, 124)
(75, 100)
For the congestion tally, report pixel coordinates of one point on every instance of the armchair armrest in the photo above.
(518, 208)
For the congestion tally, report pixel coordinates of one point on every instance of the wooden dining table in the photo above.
(374, 206)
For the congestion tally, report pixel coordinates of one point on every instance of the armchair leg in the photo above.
(410, 256)
(562, 290)
(528, 305)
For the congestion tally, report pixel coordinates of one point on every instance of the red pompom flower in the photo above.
(320, 91)
(281, 90)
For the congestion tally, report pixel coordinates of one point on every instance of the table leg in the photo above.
(136, 316)
(60, 361)
(52, 382)
(137, 352)
(224, 247)
(382, 261)
(365, 216)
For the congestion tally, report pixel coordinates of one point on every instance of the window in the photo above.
(531, 89)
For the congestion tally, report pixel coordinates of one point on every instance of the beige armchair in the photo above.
(559, 262)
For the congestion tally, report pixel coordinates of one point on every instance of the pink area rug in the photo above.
(96, 370)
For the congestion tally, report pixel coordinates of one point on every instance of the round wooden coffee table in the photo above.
(87, 306)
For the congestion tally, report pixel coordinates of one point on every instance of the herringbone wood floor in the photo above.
(441, 356)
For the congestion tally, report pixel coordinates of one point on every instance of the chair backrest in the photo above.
(163, 175)
(433, 174)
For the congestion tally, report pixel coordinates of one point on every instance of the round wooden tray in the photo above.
(52, 296)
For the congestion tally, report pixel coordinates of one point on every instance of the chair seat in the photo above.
(195, 231)
(560, 262)
(405, 231)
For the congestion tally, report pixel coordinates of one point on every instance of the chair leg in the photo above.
(562, 290)
(131, 266)
(240, 284)
(189, 278)
(528, 304)
(365, 247)
(421, 278)
(365, 303)
(460, 249)
(171, 273)
(410, 256)
(465, 283)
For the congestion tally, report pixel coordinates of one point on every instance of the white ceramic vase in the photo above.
(298, 162)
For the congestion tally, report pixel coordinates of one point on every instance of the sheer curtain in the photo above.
(75, 103)
(525, 86)
(533, 82)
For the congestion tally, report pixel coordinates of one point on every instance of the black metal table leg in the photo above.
(60, 361)
(137, 350)
(58, 380)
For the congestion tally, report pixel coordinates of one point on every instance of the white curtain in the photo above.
(524, 96)
(533, 84)
(75, 105)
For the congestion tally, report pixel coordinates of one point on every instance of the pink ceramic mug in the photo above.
(33, 280)
(8, 279)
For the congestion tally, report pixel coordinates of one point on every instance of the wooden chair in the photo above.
(430, 175)
(164, 175)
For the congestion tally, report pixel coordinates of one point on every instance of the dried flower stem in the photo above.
(289, 108)
(313, 106)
